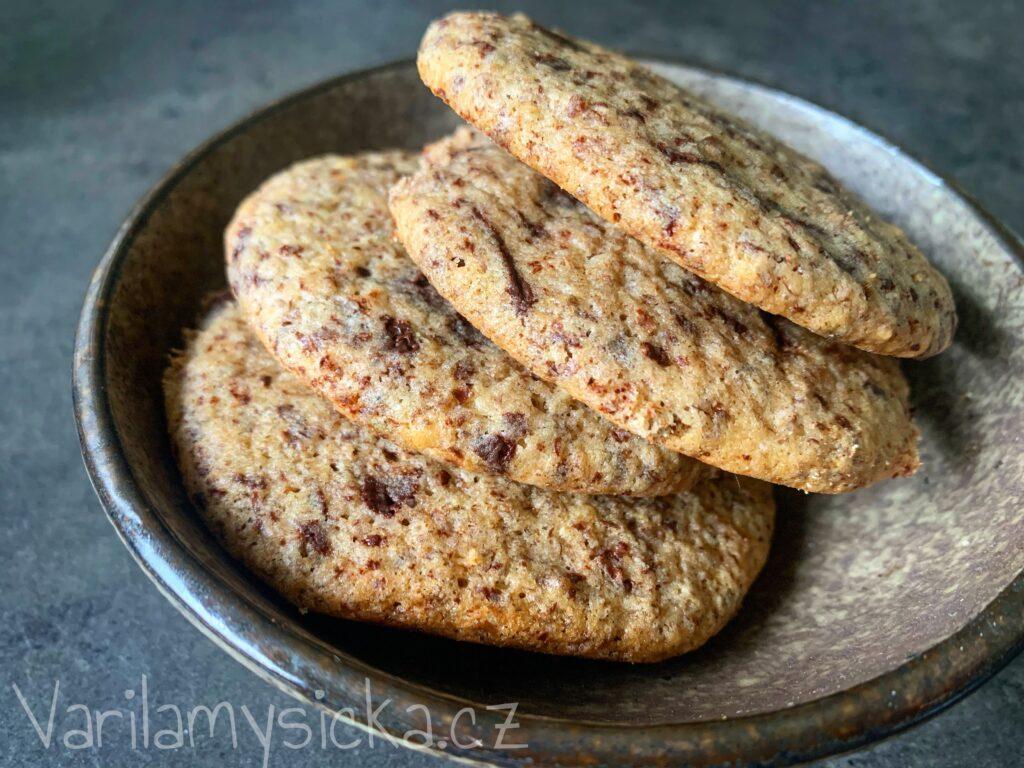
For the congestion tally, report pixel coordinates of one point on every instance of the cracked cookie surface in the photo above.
(346, 523)
(705, 189)
(312, 259)
(653, 347)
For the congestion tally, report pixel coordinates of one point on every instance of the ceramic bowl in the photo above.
(875, 610)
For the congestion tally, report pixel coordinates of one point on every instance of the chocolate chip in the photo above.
(400, 336)
(376, 496)
(496, 451)
(518, 289)
(610, 559)
(554, 62)
(312, 536)
(655, 353)
(494, 595)
(687, 158)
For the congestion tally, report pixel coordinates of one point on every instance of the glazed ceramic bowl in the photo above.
(876, 609)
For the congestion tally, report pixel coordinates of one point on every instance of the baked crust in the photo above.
(653, 347)
(313, 261)
(345, 523)
(705, 189)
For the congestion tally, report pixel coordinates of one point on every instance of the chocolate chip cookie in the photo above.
(705, 189)
(312, 259)
(346, 523)
(652, 346)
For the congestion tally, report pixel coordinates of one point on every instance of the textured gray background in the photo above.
(97, 99)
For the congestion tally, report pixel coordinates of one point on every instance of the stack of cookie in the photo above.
(525, 390)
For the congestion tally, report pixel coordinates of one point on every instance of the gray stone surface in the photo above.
(98, 98)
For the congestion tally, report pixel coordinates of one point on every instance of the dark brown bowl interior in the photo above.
(847, 634)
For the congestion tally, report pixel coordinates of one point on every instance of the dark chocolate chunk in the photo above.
(655, 353)
(518, 289)
(312, 536)
(496, 451)
(400, 336)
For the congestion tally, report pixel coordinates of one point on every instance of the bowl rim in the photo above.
(843, 721)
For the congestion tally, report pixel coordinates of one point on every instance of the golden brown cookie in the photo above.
(313, 261)
(717, 196)
(345, 523)
(653, 347)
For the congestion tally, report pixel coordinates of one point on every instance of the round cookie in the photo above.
(653, 347)
(345, 523)
(313, 261)
(712, 193)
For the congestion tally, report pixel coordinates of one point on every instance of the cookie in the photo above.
(345, 523)
(715, 195)
(311, 257)
(652, 346)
